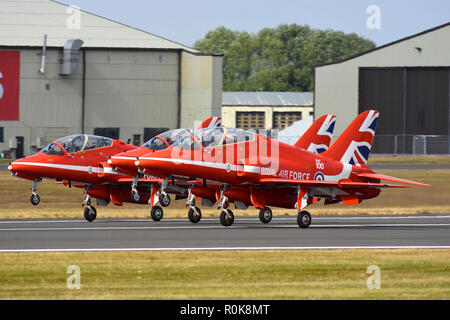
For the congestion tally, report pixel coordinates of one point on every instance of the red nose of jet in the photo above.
(126, 163)
(156, 165)
(26, 167)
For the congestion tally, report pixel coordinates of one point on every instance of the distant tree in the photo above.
(278, 59)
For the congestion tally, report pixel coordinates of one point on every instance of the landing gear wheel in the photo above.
(135, 196)
(193, 216)
(265, 215)
(90, 213)
(226, 218)
(164, 199)
(304, 219)
(35, 199)
(156, 213)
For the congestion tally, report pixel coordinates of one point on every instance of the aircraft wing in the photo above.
(393, 179)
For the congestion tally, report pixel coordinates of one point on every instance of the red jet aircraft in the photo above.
(316, 139)
(233, 165)
(80, 160)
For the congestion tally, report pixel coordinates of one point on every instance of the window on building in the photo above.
(283, 120)
(113, 133)
(151, 132)
(250, 120)
(2, 139)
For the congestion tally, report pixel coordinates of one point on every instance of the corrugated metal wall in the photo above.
(411, 100)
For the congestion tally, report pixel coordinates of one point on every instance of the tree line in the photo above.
(278, 59)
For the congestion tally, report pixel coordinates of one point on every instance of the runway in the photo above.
(325, 232)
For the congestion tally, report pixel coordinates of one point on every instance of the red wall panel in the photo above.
(9, 85)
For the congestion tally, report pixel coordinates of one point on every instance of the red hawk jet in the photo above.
(233, 165)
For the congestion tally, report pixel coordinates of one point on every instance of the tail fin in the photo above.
(354, 144)
(318, 136)
(211, 123)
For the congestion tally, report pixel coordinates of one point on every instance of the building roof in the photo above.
(384, 46)
(24, 23)
(267, 99)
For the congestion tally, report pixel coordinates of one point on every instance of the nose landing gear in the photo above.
(90, 213)
(35, 199)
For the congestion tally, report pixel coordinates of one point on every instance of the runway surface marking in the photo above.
(89, 228)
(292, 218)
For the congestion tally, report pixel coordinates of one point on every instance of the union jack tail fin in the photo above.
(354, 144)
(211, 122)
(318, 136)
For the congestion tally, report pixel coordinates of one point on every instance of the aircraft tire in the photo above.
(303, 219)
(193, 216)
(35, 199)
(265, 215)
(156, 213)
(164, 200)
(90, 213)
(226, 218)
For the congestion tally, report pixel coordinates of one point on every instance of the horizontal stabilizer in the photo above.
(393, 179)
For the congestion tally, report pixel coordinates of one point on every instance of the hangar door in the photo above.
(414, 108)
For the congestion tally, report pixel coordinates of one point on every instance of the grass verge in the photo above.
(341, 274)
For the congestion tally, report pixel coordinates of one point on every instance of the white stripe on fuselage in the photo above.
(69, 167)
(223, 166)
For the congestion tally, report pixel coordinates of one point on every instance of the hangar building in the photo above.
(407, 80)
(94, 76)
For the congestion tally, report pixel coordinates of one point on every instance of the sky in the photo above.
(381, 21)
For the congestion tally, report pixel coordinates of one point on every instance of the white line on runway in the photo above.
(233, 227)
(228, 248)
(237, 218)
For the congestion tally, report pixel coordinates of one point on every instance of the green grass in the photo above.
(405, 274)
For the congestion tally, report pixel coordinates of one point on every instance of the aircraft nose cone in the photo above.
(26, 167)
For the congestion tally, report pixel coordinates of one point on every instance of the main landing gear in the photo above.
(35, 199)
(164, 198)
(156, 213)
(303, 219)
(194, 213)
(90, 213)
(226, 216)
(135, 195)
(265, 215)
